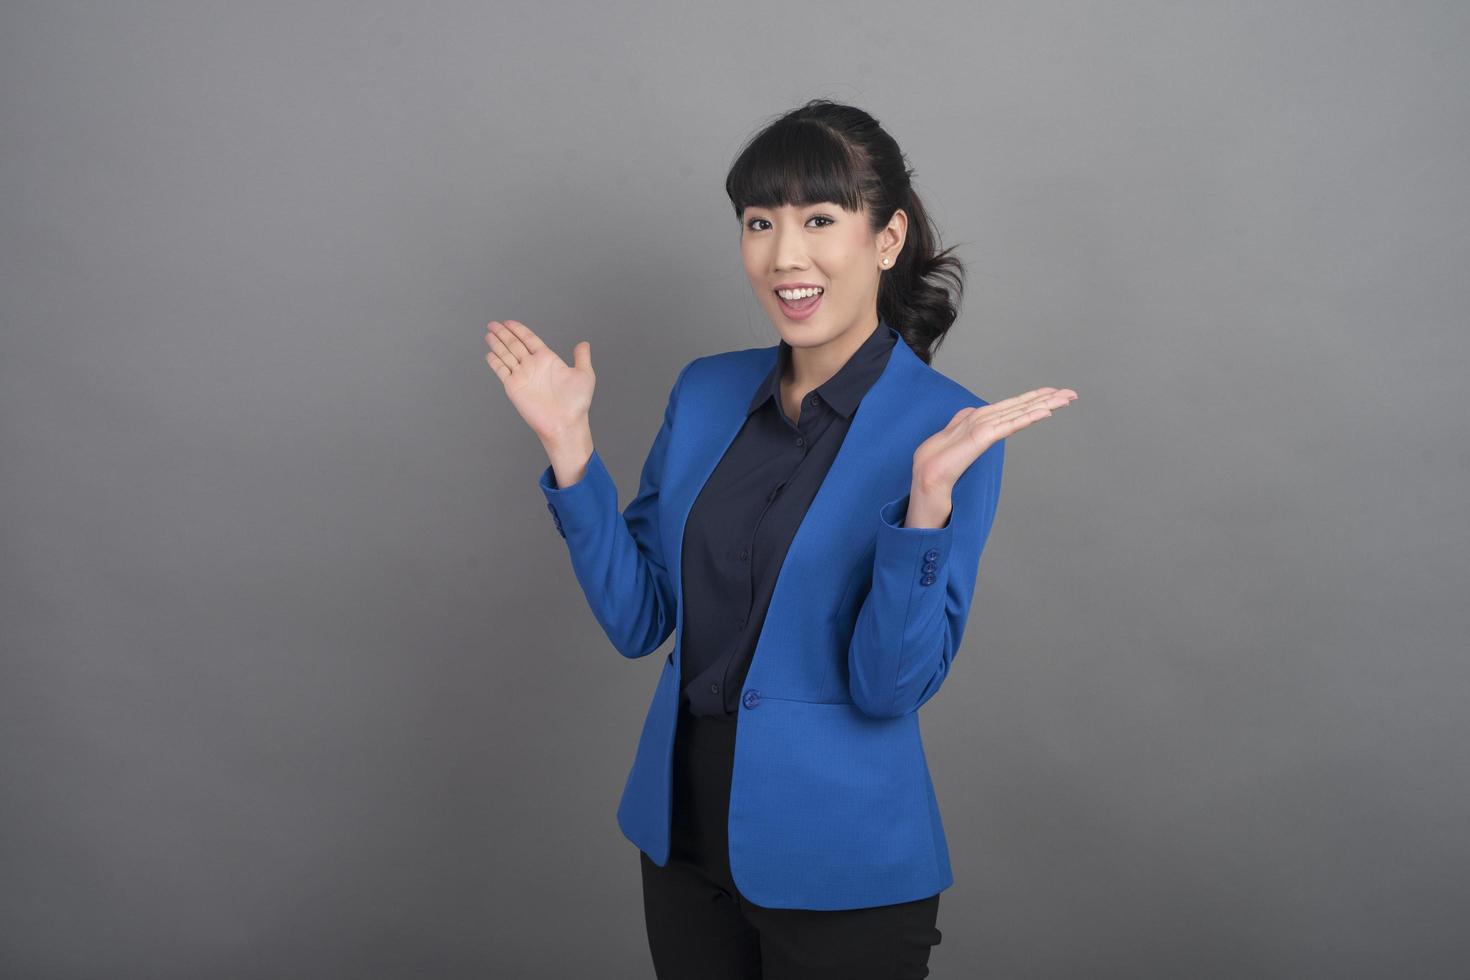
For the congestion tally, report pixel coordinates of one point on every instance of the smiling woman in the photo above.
(808, 527)
(827, 208)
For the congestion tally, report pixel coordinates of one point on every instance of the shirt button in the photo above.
(813, 401)
(744, 555)
(800, 441)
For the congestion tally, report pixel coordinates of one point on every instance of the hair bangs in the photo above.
(798, 164)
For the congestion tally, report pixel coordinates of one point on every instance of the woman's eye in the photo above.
(816, 217)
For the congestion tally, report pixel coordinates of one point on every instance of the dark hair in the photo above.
(826, 151)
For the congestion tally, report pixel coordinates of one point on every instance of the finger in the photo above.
(1006, 404)
(997, 413)
(1009, 407)
(1060, 397)
(511, 342)
(1023, 408)
(523, 338)
(497, 365)
(1003, 418)
(503, 352)
(497, 330)
(1016, 423)
(1050, 398)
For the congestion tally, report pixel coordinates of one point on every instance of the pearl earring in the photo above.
(885, 261)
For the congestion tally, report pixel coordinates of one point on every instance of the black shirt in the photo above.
(742, 523)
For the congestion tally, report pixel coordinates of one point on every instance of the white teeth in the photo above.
(795, 294)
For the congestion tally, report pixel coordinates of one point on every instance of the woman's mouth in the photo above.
(800, 309)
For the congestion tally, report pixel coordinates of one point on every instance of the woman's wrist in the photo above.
(929, 504)
(927, 511)
(568, 452)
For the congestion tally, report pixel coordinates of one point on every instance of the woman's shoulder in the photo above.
(952, 390)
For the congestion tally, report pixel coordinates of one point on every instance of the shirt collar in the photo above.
(845, 389)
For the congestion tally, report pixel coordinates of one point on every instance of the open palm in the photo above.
(551, 395)
(941, 459)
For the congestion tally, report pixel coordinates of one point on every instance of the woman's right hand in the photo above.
(552, 396)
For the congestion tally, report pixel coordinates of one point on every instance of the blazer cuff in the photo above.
(583, 504)
(923, 551)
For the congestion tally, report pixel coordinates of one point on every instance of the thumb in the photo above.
(582, 356)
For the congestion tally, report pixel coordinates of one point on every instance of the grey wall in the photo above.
(297, 680)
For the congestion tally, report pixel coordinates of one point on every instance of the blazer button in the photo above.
(714, 689)
(752, 698)
(927, 580)
(929, 566)
(931, 555)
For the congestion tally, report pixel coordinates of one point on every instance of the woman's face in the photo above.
(824, 246)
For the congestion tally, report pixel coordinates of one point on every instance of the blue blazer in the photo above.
(831, 803)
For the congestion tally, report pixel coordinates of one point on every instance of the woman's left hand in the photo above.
(942, 458)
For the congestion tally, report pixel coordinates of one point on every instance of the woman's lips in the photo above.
(802, 309)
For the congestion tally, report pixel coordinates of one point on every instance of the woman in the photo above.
(808, 526)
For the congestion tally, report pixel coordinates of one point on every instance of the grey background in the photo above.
(297, 681)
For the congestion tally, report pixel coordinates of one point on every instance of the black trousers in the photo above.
(701, 928)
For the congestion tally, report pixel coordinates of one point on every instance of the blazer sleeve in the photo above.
(618, 557)
(909, 626)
